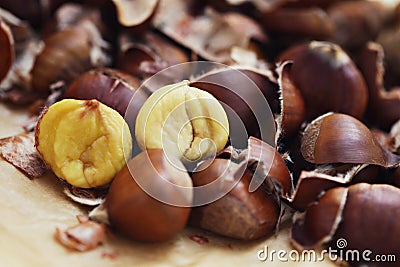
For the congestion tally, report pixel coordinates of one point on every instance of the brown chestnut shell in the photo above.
(7, 50)
(340, 138)
(327, 78)
(138, 215)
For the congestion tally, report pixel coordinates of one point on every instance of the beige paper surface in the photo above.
(32, 209)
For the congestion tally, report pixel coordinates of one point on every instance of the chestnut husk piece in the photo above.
(311, 184)
(308, 22)
(353, 214)
(339, 85)
(135, 14)
(293, 110)
(383, 106)
(20, 151)
(215, 39)
(138, 215)
(84, 236)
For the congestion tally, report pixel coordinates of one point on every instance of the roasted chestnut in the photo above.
(140, 216)
(363, 216)
(7, 50)
(67, 54)
(110, 86)
(242, 213)
(340, 138)
(327, 78)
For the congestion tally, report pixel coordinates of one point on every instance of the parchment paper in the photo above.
(32, 209)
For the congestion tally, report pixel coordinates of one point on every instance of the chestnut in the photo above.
(143, 57)
(112, 87)
(364, 215)
(327, 78)
(239, 214)
(242, 213)
(67, 54)
(357, 22)
(340, 138)
(7, 49)
(310, 22)
(249, 96)
(140, 216)
(34, 11)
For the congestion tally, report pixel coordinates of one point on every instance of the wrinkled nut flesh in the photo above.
(84, 142)
(186, 122)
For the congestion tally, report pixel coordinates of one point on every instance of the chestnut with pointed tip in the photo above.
(340, 138)
(327, 78)
(138, 215)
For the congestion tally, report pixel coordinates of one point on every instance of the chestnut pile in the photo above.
(327, 71)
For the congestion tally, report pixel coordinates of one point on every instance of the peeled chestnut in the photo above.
(327, 78)
(140, 216)
(6, 49)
